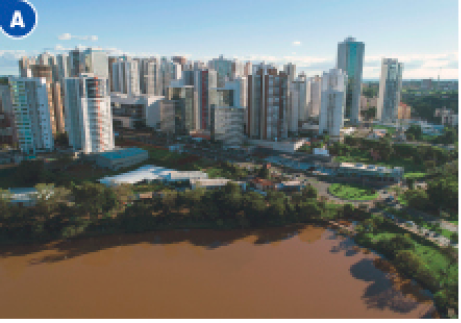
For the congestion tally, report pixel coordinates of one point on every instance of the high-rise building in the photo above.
(334, 87)
(111, 61)
(186, 116)
(390, 87)
(32, 118)
(248, 69)
(76, 62)
(297, 109)
(227, 125)
(24, 66)
(350, 60)
(268, 99)
(45, 71)
(88, 113)
(181, 60)
(126, 76)
(8, 132)
(153, 77)
(204, 81)
(62, 66)
(224, 68)
(314, 97)
(96, 62)
(58, 107)
(290, 70)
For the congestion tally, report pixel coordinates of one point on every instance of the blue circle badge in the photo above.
(18, 18)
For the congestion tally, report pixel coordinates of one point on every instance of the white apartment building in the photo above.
(313, 97)
(390, 88)
(334, 87)
(96, 62)
(290, 70)
(125, 74)
(63, 65)
(31, 110)
(88, 113)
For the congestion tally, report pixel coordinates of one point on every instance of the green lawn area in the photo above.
(427, 250)
(352, 192)
(390, 130)
(415, 175)
(362, 156)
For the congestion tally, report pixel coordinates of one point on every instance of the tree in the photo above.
(444, 192)
(61, 139)
(92, 198)
(31, 172)
(309, 210)
(408, 262)
(411, 183)
(309, 192)
(416, 131)
(417, 199)
(429, 164)
(264, 173)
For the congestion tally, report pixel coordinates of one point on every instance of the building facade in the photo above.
(334, 88)
(32, 118)
(227, 125)
(204, 81)
(350, 60)
(186, 116)
(267, 104)
(390, 88)
(88, 113)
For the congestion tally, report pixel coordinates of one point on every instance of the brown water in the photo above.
(296, 272)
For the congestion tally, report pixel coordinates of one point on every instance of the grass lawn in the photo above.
(352, 192)
(425, 249)
(390, 130)
(415, 175)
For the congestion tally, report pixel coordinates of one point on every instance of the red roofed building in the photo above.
(262, 184)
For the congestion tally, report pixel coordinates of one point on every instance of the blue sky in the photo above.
(423, 34)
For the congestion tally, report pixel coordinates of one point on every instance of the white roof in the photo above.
(149, 172)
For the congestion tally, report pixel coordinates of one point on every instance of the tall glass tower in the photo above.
(350, 60)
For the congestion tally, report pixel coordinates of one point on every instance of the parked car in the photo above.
(410, 223)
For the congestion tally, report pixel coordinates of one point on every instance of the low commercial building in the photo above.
(377, 134)
(120, 158)
(290, 186)
(288, 146)
(371, 172)
(23, 196)
(152, 173)
(214, 183)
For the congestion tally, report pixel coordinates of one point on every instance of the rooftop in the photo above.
(122, 153)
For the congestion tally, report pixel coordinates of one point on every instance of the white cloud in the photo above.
(67, 36)
(297, 43)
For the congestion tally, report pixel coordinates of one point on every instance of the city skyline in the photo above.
(306, 33)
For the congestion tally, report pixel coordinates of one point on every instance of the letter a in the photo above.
(17, 20)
